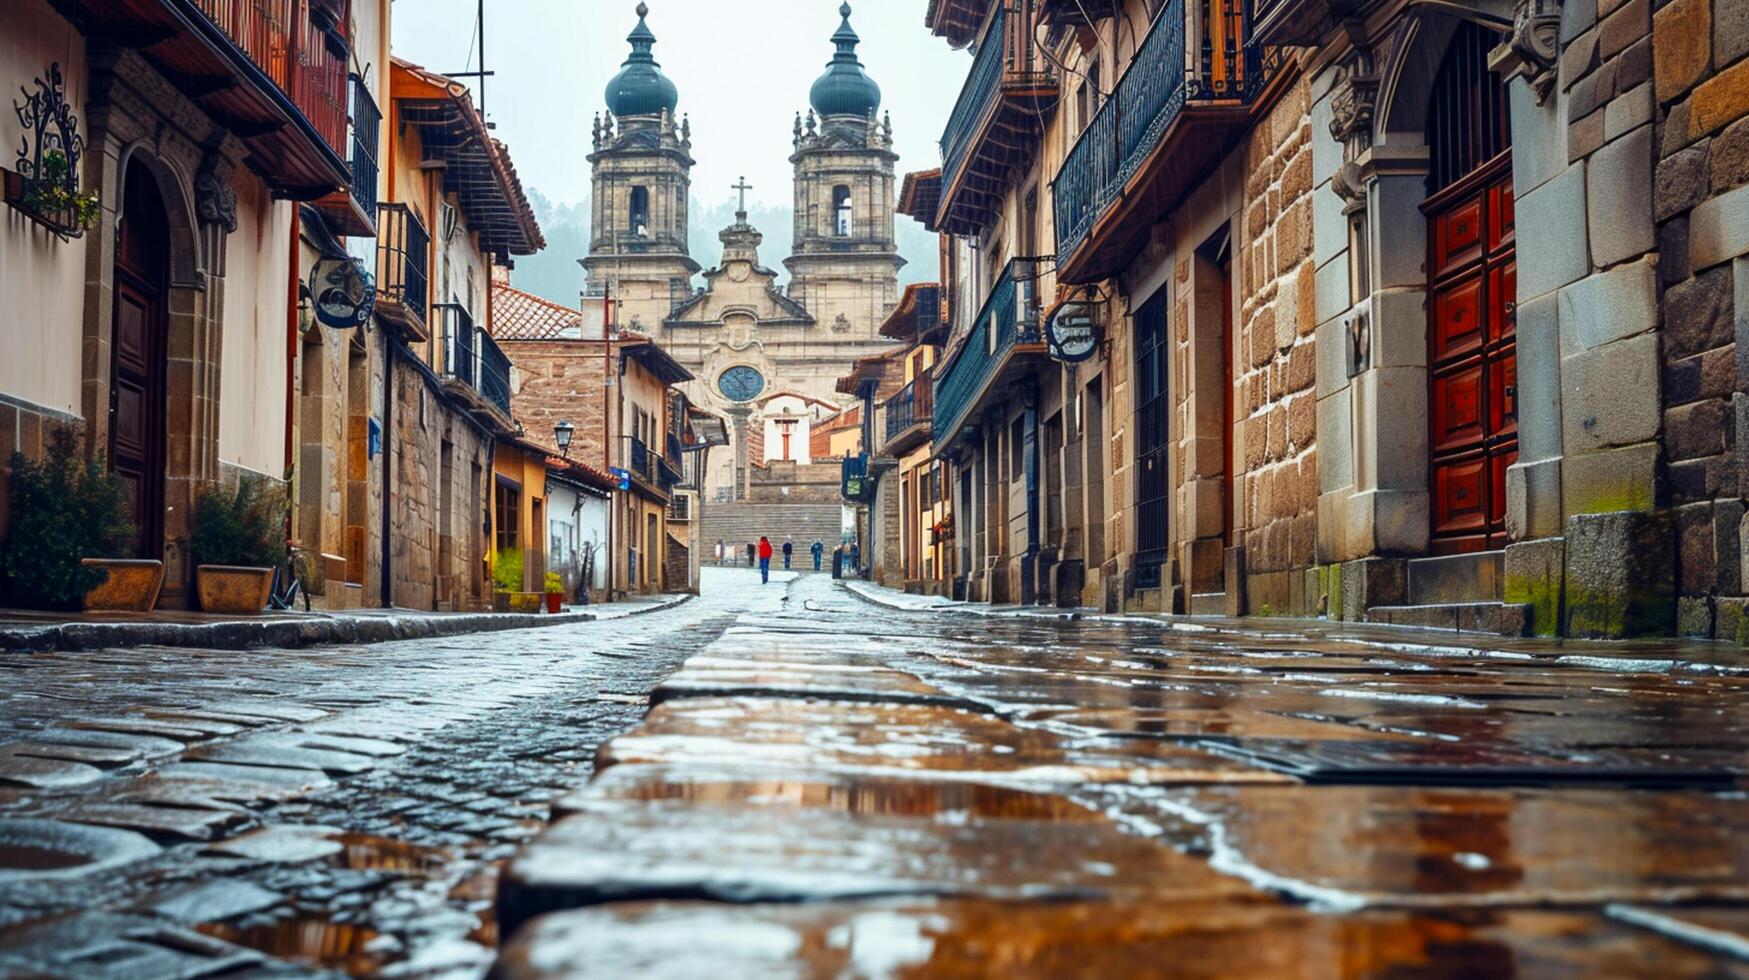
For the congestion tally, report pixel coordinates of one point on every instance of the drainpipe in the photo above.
(291, 343)
(387, 585)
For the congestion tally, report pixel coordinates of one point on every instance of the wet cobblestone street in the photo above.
(795, 780)
(340, 809)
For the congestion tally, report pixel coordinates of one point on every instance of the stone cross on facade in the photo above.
(743, 187)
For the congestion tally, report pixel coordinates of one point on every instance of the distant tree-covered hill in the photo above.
(554, 273)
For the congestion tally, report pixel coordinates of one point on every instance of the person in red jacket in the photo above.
(764, 559)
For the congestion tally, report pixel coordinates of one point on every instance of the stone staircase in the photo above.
(744, 521)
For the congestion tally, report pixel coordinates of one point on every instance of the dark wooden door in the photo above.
(1472, 358)
(1472, 352)
(137, 373)
(1153, 441)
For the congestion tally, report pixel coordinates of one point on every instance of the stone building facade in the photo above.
(155, 328)
(741, 335)
(1422, 314)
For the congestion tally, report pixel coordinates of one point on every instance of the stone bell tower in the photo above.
(845, 268)
(642, 172)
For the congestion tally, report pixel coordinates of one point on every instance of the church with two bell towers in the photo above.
(761, 355)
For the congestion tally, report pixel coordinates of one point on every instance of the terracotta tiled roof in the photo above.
(519, 315)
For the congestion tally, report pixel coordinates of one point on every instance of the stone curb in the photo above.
(325, 629)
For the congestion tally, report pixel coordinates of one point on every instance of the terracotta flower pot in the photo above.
(234, 589)
(132, 585)
(554, 601)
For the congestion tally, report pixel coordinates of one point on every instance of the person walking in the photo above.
(720, 549)
(750, 551)
(764, 559)
(788, 549)
(817, 548)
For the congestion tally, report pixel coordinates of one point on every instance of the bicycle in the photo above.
(288, 582)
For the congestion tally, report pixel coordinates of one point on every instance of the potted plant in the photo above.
(238, 540)
(555, 592)
(506, 579)
(71, 522)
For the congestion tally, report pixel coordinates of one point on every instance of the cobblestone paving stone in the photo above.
(794, 781)
(326, 810)
(835, 789)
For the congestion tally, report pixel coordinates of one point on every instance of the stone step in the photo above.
(1208, 604)
(1498, 618)
(1457, 579)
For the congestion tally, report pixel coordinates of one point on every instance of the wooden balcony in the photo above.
(1180, 107)
(352, 210)
(1005, 340)
(403, 258)
(920, 317)
(997, 121)
(273, 72)
(908, 415)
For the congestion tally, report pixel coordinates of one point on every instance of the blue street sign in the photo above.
(623, 476)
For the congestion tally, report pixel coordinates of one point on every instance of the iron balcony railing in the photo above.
(366, 129)
(1008, 56)
(642, 460)
(296, 54)
(1009, 317)
(403, 251)
(1164, 76)
(930, 310)
(494, 380)
(455, 344)
(910, 406)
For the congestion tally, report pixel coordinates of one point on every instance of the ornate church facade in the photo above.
(747, 340)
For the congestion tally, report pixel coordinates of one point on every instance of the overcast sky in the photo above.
(743, 68)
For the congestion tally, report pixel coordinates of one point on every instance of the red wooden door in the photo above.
(137, 357)
(1472, 357)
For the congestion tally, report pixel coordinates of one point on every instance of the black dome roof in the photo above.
(640, 88)
(845, 89)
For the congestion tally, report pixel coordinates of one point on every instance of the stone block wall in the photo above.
(1275, 359)
(1700, 201)
(440, 473)
(555, 380)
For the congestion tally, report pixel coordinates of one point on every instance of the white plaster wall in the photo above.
(42, 279)
(252, 384)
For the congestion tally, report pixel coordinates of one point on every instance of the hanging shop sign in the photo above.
(1072, 332)
(343, 293)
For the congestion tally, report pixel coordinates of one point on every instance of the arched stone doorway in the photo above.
(1472, 293)
(139, 341)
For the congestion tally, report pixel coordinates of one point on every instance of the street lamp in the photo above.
(562, 435)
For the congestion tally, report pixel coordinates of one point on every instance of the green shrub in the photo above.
(555, 583)
(507, 571)
(241, 526)
(63, 509)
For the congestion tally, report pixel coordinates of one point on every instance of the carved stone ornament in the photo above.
(1353, 102)
(1533, 48)
(214, 200)
(841, 325)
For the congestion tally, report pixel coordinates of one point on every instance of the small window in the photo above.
(841, 207)
(640, 216)
(1016, 457)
